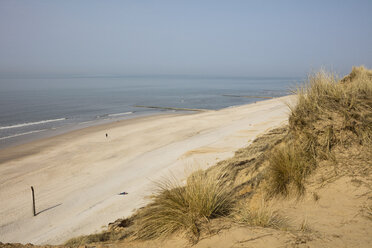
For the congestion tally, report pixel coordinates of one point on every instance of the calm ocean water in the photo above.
(32, 106)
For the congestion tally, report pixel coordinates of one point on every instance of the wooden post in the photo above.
(33, 201)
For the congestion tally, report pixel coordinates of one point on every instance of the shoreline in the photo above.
(70, 127)
(51, 133)
(77, 175)
(18, 132)
(43, 140)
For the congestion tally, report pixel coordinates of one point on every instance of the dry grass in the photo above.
(289, 166)
(329, 113)
(99, 237)
(184, 208)
(262, 215)
(328, 108)
(358, 73)
(304, 226)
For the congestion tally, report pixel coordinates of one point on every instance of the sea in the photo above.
(36, 107)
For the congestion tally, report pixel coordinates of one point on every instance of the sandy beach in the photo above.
(78, 176)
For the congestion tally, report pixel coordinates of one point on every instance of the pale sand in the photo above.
(77, 176)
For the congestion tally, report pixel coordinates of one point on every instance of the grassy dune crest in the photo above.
(330, 113)
(334, 109)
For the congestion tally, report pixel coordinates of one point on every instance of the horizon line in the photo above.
(117, 75)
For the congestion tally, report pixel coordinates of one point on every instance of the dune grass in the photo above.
(327, 107)
(329, 113)
(289, 166)
(98, 237)
(261, 214)
(184, 208)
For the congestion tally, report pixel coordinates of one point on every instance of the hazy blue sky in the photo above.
(244, 38)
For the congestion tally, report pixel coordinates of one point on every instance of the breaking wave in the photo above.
(20, 134)
(31, 123)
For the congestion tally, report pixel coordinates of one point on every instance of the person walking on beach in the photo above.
(106, 135)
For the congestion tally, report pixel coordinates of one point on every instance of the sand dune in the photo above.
(77, 176)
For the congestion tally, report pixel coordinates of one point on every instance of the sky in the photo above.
(201, 37)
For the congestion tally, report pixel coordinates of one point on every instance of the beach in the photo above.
(78, 176)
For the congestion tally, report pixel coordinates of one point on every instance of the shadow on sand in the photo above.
(44, 210)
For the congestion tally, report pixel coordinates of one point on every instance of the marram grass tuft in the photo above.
(184, 208)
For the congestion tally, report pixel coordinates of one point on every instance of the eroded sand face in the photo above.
(77, 176)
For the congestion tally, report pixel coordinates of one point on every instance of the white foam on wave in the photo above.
(118, 114)
(31, 123)
(20, 134)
